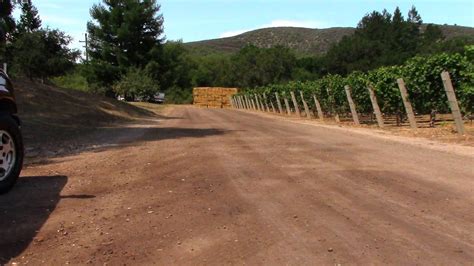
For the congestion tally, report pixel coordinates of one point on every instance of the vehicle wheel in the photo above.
(11, 153)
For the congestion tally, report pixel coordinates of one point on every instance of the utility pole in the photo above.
(86, 46)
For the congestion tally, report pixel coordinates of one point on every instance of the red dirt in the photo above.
(229, 187)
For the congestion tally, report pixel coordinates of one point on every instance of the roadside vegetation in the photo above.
(128, 54)
(421, 74)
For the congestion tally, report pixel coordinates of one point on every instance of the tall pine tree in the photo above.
(123, 34)
(29, 19)
(7, 25)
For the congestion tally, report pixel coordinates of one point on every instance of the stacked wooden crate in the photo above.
(213, 97)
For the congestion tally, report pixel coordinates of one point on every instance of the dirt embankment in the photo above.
(56, 120)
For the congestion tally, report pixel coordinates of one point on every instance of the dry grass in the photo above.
(51, 115)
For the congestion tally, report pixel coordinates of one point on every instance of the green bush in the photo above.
(136, 84)
(73, 80)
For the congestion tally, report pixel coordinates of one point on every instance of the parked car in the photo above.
(11, 140)
(159, 98)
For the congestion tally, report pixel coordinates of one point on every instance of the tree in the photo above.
(432, 33)
(7, 25)
(414, 17)
(123, 34)
(254, 66)
(43, 54)
(29, 19)
(136, 83)
(173, 68)
(381, 39)
(213, 70)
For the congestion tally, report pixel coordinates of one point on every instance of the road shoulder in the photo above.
(387, 135)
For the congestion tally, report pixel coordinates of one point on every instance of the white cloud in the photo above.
(232, 33)
(280, 23)
(297, 23)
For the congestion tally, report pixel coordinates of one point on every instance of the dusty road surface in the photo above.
(229, 187)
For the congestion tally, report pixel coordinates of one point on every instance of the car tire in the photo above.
(11, 141)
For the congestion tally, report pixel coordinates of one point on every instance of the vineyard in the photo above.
(329, 95)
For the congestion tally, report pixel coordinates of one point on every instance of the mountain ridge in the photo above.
(304, 41)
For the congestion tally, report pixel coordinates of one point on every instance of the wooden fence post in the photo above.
(246, 102)
(305, 105)
(332, 103)
(262, 107)
(407, 103)
(287, 104)
(352, 105)
(256, 102)
(453, 102)
(271, 103)
(318, 108)
(242, 105)
(262, 103)
(273, 107)
(375, 105)
(295, 103)
(279, 103)
(266, 102)
(254, 107)
(259, 107)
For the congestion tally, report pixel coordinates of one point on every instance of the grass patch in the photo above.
(73, 81)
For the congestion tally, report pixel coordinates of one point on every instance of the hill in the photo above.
(53, 117)
(304, 41)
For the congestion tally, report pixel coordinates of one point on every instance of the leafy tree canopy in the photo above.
(43, 53)
(382, 39)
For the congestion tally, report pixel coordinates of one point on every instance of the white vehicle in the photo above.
(159, 98)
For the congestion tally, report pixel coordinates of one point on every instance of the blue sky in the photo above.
(205, 19)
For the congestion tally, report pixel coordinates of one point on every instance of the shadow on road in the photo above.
(113, 138)
(25, 209)
(122, 137)
(152, 134)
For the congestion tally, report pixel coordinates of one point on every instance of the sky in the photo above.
(193, 20)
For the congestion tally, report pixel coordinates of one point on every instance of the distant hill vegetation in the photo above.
(303, 41)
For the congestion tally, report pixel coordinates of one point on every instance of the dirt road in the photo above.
(229, 187)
